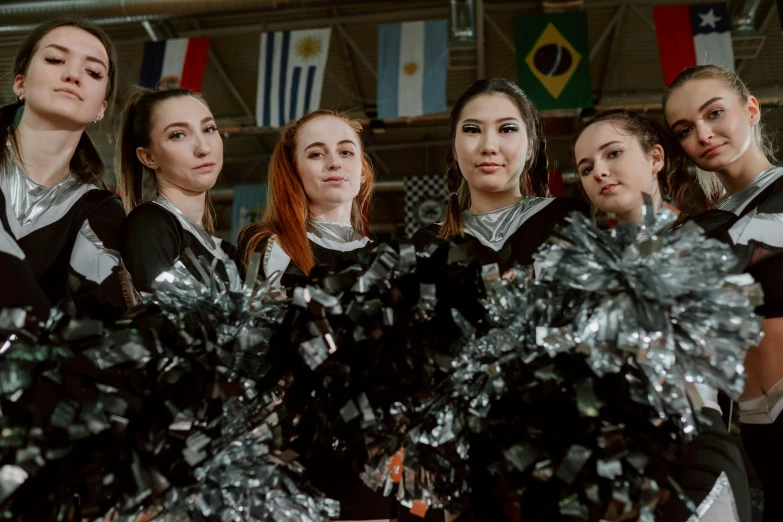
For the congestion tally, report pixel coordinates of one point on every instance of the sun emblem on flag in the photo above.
(410, 68)
(309, 47)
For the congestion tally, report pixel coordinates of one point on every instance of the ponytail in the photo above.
(133, 176)
(538, 175)
(459, 199)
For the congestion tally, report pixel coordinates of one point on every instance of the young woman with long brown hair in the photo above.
(718, 124)
(319, 190)
(497, 178)
(169, 155)
(620, 155)
(57, 210)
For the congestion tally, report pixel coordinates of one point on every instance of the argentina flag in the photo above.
(290, 75)
(412, 61)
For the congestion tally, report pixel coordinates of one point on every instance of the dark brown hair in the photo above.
(674, 180)
(86, 164)
(534, 179)
(287, 208)
(710, 184)
(138, 184)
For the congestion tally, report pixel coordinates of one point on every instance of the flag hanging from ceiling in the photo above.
(553, 59)
(248, 206)
(690, 35)
(425, 201)
(412, 61)
(179, 62)
(290, 75)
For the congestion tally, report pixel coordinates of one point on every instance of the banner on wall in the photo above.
(412, 62)
(425, 201)
(553, 59)
(290, 75)
(174, 63)
(248, 206)
(698, 34)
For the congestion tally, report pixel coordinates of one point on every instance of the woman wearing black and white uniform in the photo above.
(320, 187)
(718, 123)
(619, 156)
(168, 157)
(56, 209)
(497, 176)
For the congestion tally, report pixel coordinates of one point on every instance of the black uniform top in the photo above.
(156, 234)
(509, 235)
(333, 245)
(20, 287)
(69, 234)
(751, 219)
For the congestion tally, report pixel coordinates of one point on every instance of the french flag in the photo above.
(688, 35)
(179, 62)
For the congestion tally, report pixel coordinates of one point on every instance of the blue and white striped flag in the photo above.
(412, 60)
(290, 75)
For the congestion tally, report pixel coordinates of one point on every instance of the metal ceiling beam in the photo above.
(499, 33)
(349, 59)
(481, 57)
(37, 12)
(608, 30)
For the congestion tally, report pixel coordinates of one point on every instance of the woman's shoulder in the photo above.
(150, 217)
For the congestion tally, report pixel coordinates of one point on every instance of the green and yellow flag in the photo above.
(553, 59)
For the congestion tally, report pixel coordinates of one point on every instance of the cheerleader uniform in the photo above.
(20, 287)
(758, 229)
(510, 235)
(155, 236)
(333, 245)
(68, 235)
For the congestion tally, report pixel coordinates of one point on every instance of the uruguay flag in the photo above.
(688, 35)
(290, 75)
(412, 60)
(179, 62)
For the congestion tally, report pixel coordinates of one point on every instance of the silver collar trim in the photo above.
(335, 236)
(737, 202)
(210, 243)
(29, 205)
(493, 228)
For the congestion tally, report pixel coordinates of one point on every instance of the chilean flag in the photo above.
(690, 35)
(178, 62)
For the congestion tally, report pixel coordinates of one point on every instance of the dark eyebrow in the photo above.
(66, 50)
(703, 106)
(501, 120)
(322, 144)
(185, 124)
(602, 147)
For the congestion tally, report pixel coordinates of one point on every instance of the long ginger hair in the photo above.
(287, 207)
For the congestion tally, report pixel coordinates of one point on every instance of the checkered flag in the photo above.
(425, 201)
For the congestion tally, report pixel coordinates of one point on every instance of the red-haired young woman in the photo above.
(320, 186)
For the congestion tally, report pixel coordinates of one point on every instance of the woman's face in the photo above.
(615, 170)
(67, 78)
(328, 160)
(712, 122)
(186, 149)
(491, 144)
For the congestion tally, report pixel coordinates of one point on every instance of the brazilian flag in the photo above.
(553, 59)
